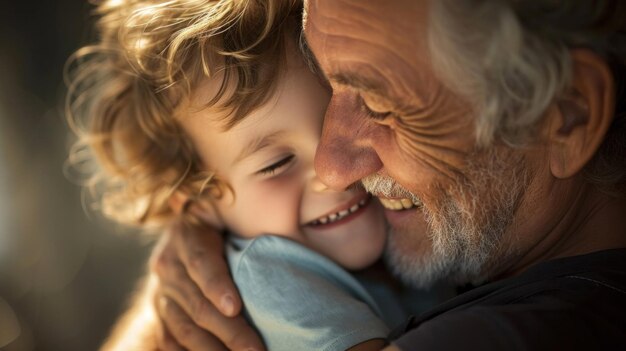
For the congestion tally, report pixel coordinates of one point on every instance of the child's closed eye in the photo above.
(271, 169)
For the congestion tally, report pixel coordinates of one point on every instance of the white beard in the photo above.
(464, 228)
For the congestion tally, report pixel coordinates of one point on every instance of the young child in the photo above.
(211, 101)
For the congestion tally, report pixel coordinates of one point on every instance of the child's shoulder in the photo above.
(258, 253)
(299, 299)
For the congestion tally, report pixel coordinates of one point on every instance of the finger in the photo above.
(234, 332)
(163, 254)
(184, 330)
(165, 340)
(201, 251)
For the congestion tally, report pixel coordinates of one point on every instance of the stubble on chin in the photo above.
(465, 227)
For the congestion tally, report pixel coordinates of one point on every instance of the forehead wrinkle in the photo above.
(370, 73)
(349, 14)
(340, 25)
(330, 32)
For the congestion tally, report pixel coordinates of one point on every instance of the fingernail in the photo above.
(228, 304)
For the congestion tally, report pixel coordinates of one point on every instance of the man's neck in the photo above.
(594, 222)
(600, 225)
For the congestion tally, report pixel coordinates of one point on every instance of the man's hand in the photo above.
(196, 298)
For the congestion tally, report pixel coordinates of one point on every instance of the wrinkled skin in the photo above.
(195, 294)
(416, 131)
(391, 116)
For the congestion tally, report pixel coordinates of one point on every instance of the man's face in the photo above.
(392, 124)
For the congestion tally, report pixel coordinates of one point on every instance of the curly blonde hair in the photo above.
(150, 55)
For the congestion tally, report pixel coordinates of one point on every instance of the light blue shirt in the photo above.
(300, 300)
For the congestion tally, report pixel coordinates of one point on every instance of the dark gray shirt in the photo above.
(573, 303)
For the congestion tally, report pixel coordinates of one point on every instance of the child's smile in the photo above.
(267, 160)
(342, 214)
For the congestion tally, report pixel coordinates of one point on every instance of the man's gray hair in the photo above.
(510, 59)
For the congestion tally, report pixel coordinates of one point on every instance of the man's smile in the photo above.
(395, 204)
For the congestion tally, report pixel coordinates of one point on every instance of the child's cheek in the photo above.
(270, 207)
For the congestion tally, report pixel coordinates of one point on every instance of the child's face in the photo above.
(267, 159)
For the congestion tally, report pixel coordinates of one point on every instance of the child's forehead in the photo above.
(207, 88)
(294, 94)
(229, 103)
(204, 100)
(200, 101)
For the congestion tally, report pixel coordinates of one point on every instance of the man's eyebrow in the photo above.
(359, 82)
(258, 143)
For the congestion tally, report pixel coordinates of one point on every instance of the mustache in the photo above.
(385, 186)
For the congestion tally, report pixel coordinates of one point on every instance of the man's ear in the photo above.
(582, 116)
(204, 210)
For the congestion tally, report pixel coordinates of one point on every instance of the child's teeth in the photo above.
(339, 215)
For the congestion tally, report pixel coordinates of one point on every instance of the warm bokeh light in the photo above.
(64, 275)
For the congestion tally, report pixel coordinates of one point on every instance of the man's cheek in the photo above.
(439, 136)
(412, 164)
(428, 157)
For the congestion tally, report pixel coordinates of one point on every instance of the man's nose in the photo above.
(344, 154)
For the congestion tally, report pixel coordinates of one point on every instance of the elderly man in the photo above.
(440, 92)
(494, 133)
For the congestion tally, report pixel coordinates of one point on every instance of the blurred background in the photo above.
(64, 274)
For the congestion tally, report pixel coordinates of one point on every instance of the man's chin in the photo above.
(401, 218)
(410, 221)
(421, 256)
(409, 255)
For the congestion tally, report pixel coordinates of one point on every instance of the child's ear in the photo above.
(579, 123)
(204, 210)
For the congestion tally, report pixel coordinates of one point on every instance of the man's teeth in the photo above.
(397, 204)
(334, 217)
